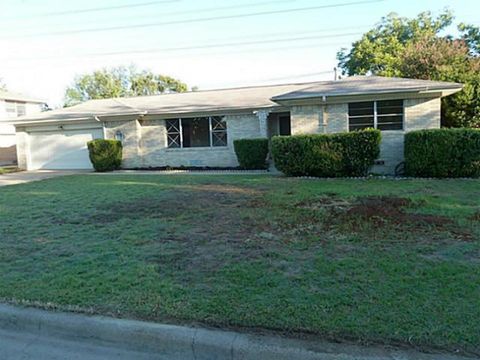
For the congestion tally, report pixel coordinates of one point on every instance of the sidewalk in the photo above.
(25, 331)
(23, 177)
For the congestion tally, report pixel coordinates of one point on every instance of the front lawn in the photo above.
(378, 261)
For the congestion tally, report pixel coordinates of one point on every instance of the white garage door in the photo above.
(62, 149)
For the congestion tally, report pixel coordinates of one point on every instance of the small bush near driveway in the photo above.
(443, 153)
(251, 153)
(329, 155)
(105, 155)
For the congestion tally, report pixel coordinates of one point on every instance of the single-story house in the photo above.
(198, 128)
(12, 106)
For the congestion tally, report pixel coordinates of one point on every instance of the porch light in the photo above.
(119, 136)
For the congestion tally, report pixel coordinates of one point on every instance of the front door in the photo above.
(284, 127)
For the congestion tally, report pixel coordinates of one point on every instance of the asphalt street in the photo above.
(22, 346)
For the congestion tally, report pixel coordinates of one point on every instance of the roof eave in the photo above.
(445, 91)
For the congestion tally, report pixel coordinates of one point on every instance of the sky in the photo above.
(205, 43)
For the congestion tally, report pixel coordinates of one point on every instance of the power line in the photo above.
(196, 47)
(324, 72)
(197, 20)
(196, 11)
(90, 10)
(233, 52)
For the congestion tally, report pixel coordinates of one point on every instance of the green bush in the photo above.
(105, 155)
(327, 155)
(326, 160)
(443, 153)
(251, 153)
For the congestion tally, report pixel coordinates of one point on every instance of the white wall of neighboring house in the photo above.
(7, 132)
(10, 110)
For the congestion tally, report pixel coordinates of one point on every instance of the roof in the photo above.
(357, 85)
(7, 95)
(244, 98)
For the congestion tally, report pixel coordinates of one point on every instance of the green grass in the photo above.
(298, 256)
(8, 170)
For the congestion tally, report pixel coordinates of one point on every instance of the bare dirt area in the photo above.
(382, 212)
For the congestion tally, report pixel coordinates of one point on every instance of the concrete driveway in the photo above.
(29, 176)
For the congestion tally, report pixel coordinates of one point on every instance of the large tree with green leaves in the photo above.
(120, 82)
(413, 48)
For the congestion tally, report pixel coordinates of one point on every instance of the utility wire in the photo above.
(90, 10)
(193, 11)
(262, 50)
(204, 46)
(297, 76)
(196, 20)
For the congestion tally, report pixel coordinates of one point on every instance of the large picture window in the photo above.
(208, 131)
(382, 115)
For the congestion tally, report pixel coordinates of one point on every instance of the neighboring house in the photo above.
(12, 106)
(198, 128)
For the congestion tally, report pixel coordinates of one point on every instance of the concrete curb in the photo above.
(178, 342)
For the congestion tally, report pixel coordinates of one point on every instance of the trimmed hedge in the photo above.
(251, 153)
(329, 155)
(105, 155)
(443, 153)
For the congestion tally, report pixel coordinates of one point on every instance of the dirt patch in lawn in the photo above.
(381, 212)
(475, 216)
(385, 210)
(205, 227)
(182, 201)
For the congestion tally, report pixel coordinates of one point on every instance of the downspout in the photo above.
(324, 115)
(103, 126)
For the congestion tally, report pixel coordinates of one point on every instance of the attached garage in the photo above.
(61, 148)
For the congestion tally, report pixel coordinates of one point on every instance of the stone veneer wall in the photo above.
(145, 144)
(419, 114)
(422, 114)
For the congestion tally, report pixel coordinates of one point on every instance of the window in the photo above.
(390, 115)
(382, 115)
(196, 132)
(15, 109)
(21, 109)
(11, 108)
(219, 131)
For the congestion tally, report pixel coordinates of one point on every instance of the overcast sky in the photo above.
(205, 43)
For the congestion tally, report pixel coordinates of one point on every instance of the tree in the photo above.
(447, 60)
(2, 85)
(120, 82)
(379, 50)
(471, 35)
(413, 48)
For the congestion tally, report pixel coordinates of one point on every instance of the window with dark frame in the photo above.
(196, 132)
(381, 115)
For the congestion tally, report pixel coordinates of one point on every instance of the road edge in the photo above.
(181, 342)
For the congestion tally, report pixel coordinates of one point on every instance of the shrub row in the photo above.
(105, 155)
(443, 153)
(329, 155)
(251, 153)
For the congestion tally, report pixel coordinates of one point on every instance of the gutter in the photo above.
(422, 89)
(39, 122)
(48, 121)
(191, 343)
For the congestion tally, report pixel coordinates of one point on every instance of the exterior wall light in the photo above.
(119, 136)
